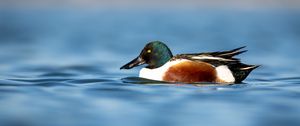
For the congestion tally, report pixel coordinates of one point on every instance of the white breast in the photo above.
(158, 73)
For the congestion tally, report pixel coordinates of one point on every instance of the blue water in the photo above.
(61, 67)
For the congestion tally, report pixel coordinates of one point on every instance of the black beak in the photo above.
(135, 62)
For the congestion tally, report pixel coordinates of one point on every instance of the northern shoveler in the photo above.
(218, 67)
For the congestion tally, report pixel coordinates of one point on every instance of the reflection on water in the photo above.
(62, 68)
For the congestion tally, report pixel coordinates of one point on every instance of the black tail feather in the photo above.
(231, 53)
(238, 48)
(241, 72)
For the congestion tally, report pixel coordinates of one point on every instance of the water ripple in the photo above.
(57, 74)
(87, 81)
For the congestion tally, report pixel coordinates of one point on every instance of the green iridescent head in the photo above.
(155, 54)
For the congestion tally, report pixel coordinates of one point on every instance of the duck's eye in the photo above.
(149, 51)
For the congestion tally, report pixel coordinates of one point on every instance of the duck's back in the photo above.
(223, 61)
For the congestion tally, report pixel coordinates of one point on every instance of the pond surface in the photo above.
(61, 67)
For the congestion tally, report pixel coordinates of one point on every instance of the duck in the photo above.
(214, 67)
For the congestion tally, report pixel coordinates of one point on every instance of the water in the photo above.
(61, 67)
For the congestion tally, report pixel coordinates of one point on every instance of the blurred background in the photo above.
(60, 60)
(84, 31)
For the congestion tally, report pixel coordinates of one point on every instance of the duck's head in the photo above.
(155, 54)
